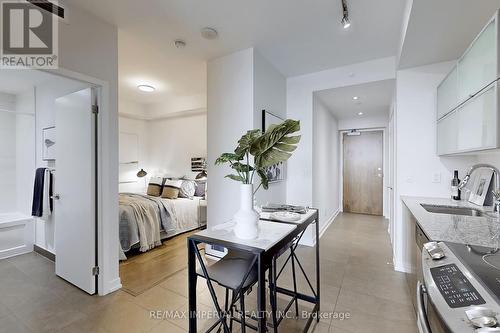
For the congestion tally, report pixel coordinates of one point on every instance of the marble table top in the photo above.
(270, 233)
(472, 230)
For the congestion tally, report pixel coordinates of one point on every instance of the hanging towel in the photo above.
(43, 204)
(37, 207)
(47, 194)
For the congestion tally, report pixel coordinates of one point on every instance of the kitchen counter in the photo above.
(472, 230)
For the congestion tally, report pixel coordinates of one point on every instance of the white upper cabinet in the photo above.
(467, 99)
(447, 96)
(477, 68)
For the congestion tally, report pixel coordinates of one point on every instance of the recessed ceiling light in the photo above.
(355, 98)
(360, 113)
(209, 33)
(146, 88)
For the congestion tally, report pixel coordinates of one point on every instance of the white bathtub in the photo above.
(17, 234)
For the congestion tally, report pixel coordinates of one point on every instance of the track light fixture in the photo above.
(345, 16)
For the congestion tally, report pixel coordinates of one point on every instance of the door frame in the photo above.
(104, 198)
(385, 196)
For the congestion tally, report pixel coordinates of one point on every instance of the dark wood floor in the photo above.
(142, 271)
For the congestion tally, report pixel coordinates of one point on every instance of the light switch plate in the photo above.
(436, 178)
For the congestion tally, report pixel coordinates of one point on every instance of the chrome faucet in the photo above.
(496, 172)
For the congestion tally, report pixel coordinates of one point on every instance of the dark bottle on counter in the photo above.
(455, 191)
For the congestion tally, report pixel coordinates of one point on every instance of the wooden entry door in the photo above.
(363, 173)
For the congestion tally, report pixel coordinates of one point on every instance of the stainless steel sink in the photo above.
(451, 210)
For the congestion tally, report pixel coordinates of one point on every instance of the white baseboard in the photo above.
(111, 286)
(401, 267)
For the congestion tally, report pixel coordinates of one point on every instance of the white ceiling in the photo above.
(296, 36)
(374, 99)
(15, 81)
(442, 30)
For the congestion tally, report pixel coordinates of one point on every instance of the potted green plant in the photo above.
(256, 151)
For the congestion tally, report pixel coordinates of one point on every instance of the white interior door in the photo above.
(75, 185)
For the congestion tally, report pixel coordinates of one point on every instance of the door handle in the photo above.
(56, 197)
(421, 315)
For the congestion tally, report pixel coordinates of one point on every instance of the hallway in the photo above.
(356, 280)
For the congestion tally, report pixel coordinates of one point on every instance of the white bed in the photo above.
(162, 218)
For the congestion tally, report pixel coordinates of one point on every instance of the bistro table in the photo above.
(275, 237)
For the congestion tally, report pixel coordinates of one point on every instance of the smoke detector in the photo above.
(209, 33)
(179, 43)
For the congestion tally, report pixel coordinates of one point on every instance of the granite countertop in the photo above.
(472, 230)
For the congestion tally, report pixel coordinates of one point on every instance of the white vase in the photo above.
(246, 218)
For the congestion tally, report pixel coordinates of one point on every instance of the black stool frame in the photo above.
(265, 259)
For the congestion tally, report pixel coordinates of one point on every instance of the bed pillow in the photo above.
(200, 188)
(171, 189)
(188, 187)
(155, 186)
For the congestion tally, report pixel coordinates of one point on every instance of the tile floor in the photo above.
(357, 281)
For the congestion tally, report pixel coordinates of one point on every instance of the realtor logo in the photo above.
(29, 36)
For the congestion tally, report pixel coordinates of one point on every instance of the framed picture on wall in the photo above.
(49, 143)
(275, 173)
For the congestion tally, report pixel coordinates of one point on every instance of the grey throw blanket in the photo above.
(137, 213)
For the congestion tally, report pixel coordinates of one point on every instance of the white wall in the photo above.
(240, 86)
(172, 142)
(326, 159)
(89, 46)
(364, 122)
(300, 91)
(417, 163)
(7, 154)
(230, 113)
(269, 88)
(141, 129)
(25, 150)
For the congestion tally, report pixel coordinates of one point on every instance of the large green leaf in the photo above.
(240, 167)
(246, 141)
(228, 157)
(263, 179)
(276, 144)
(235, 177)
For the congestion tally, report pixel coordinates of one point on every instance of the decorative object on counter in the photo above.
(480, 190)
(455, 183)
(273, 146)
(284, 207)
(481, 186)
(49, 143)
(285, 216)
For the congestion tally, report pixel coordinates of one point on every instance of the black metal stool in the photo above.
(237, 272)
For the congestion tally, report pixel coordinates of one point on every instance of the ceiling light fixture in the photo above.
(179, 43)
(355, 98)
(146, 88)
(209, 33)
(346, 23)
(360, 113)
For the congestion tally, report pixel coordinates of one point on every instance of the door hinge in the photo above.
(95, 109)
(95, 270)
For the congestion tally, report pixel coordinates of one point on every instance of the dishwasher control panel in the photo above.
(455, 287)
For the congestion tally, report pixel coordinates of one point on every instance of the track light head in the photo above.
(346, 23)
